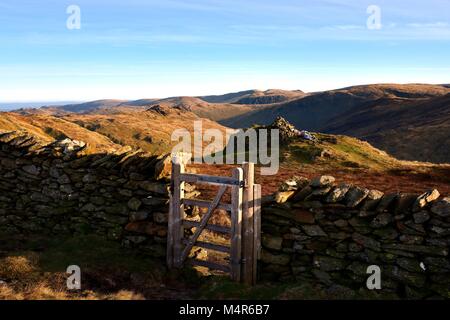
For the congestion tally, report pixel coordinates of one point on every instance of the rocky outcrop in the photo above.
(332, 233)
(287, 130)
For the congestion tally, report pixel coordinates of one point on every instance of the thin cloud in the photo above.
(429, 25)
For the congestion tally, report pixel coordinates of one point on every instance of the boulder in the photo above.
(32, 169)
(405, 202)
(355, 196)
(139, 216)
(372, 200)
(134, 204)
(283, 196)
(277, 259)
(386, 202)
(63, 179)
(382, 220)
(338, 193)
(163, 167)
(421, 217)
(314, 231)
(442, 207)
(322, 181)
(366, 242)
(318, 193)
(303, 216)
(302, 194)
(155, 187)
(424, 199)
(272, 242)
(293, 184)
(160, 217)
(89, 178)
(68, 145)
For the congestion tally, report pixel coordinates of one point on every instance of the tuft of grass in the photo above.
(16, 267)
(37, 270)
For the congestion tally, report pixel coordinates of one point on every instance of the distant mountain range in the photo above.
(411, 121)
(8, 106)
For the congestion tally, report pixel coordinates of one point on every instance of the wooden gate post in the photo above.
(257, 229)
(248, 224)
(236, 225)
(176, 215)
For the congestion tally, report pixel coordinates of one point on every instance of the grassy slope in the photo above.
(388, 123)
(339, 152)
(48, 128)
(15, 122)
(313, 111)
(147, 130)
(107, 130)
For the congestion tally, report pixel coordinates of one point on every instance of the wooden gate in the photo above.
(244, 233)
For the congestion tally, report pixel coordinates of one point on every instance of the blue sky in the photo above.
(143, 49)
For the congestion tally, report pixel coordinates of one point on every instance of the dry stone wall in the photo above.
(333, 233)
(56, 189)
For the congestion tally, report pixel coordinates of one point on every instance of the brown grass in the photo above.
(22, 279)
(409, 179)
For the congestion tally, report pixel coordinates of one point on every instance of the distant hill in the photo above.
(203, 109)
(138, 103)
(227, 98)
(87, 106)
(408, 129)
(255, 97)
(313, 111)
(9, 106)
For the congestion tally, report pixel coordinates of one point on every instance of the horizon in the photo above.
(51, 53)
(39, 104)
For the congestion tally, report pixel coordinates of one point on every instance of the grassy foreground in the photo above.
(35, 270)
